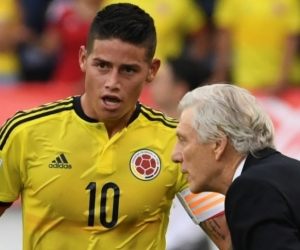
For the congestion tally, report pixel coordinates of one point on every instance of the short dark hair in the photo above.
(193, 72)
(126, 22)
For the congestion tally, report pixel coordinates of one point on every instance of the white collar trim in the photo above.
(239, 169)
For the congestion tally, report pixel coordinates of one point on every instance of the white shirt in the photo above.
(239, 169)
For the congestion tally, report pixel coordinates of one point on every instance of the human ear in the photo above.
(219, 147)
(155, 64)
(82, 58)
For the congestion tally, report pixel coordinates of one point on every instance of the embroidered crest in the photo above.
(145, 164)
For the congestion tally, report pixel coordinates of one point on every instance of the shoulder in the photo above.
(250, 194)
(275, 172)
(157, 118)
(250, 182)
(272, 167)
(266, 177)
(31, 117)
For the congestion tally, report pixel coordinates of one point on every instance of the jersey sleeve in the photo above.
(202, 206)
(10, 154)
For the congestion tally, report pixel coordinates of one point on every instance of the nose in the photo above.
(112, 80)
(176, 154)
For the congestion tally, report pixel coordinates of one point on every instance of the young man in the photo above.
(226, 144)
(95, 171)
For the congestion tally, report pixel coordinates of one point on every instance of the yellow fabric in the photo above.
(259, 29)
(9, 14)
(79, 189)
(174, 20)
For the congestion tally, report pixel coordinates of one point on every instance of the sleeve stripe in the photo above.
(201, 206)
(202, 200)
(208, 206)
(190, 197)
(36, 113)
(162, 120)
(159, 113)
(5, 136)
(154, 115)
(41, 108)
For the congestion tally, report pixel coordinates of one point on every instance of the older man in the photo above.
(226, 144)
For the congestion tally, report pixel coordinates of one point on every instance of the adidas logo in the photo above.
(60, 162)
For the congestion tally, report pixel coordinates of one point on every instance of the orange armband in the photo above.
(201, 206)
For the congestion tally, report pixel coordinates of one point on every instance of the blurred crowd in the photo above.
(253, 44)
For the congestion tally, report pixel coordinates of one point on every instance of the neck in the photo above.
(112, 126)
(230, 166)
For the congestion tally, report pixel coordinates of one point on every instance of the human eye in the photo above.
(180, 139)
(129, 70)
(102, 65)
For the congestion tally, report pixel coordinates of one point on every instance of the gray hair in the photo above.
(224, 110)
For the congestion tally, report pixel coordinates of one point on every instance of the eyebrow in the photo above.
(178, 133)
(133, 65)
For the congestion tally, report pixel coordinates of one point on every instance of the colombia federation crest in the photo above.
(145, 164)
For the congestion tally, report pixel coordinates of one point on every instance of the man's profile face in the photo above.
(196, 158)
(115, 73)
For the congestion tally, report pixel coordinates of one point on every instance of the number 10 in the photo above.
(103, 200)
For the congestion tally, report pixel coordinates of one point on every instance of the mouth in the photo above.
(111, 102)
(184, 172)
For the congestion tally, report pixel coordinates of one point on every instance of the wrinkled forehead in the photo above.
(187, 115)
(185, 121)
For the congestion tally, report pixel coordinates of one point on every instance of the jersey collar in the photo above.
(79, 111)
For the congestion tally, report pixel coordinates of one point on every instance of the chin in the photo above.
(194, 189)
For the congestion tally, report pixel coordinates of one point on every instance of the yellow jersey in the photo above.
(83, 190)
(259, 31)
(9, 17)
